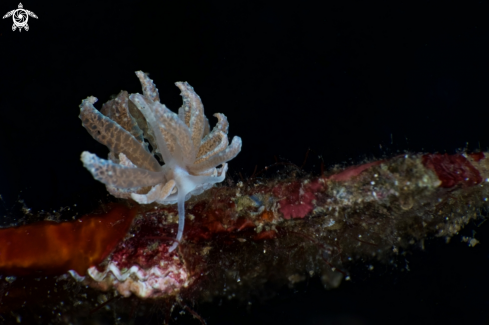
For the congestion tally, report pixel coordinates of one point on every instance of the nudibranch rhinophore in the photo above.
(128, 124)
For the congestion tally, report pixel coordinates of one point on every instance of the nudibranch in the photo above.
(129, 125)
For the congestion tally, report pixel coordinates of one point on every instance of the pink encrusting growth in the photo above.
(297, 197)
(454, 169)
(352, 171)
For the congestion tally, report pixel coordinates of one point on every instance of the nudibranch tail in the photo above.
(181, 221)
(129, 124)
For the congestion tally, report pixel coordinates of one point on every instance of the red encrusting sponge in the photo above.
(47, 247)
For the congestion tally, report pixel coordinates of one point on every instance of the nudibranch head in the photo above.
(191, 152)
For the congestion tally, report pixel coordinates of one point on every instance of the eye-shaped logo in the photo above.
(20, 17)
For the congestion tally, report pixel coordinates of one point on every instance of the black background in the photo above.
(351, 80)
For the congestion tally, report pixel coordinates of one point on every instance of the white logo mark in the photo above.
(20, 17)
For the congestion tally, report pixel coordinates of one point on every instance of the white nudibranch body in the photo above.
(184, 142)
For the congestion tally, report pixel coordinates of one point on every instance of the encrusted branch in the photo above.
(288, 228)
